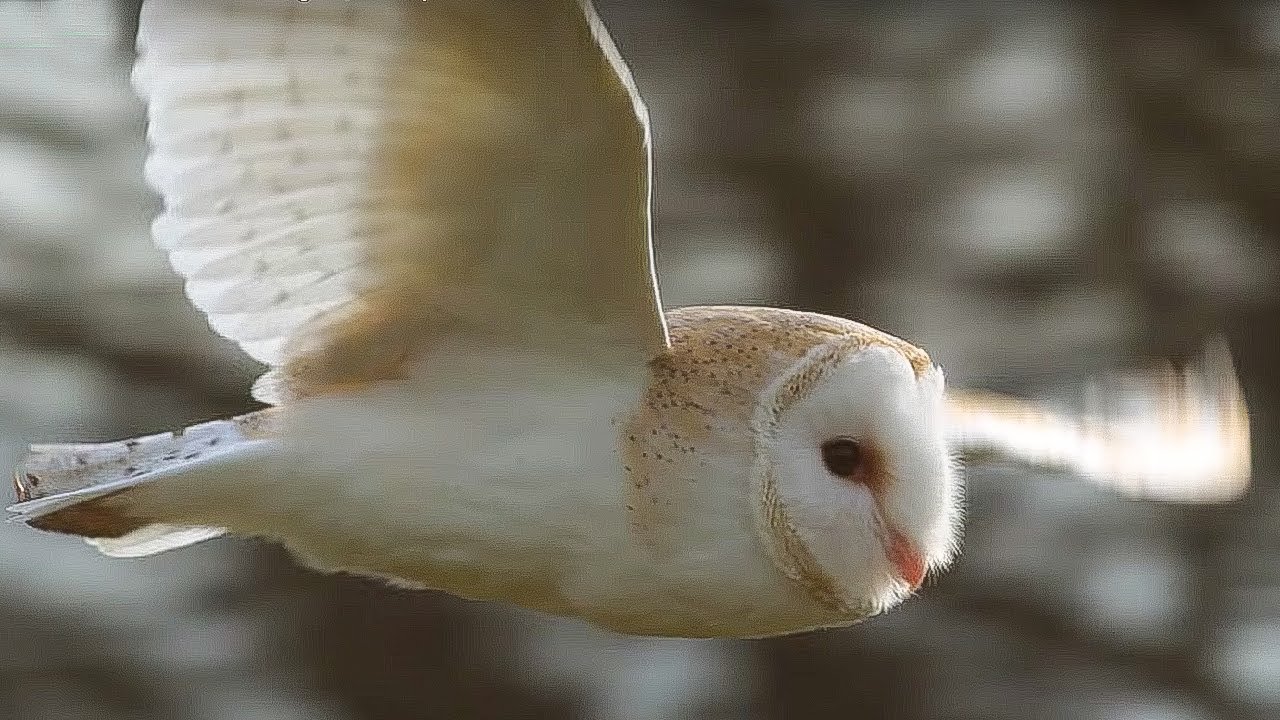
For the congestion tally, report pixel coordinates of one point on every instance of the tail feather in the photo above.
(91, 489)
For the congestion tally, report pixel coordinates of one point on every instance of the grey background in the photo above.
(1032, 192)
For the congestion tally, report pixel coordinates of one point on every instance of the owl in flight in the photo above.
(432, 221)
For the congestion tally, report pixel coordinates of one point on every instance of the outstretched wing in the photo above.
(1171, 434)
(345, 183)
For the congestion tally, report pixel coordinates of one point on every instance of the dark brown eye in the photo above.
(842, 456)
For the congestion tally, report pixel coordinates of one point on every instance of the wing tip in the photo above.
(1193, 444)
(1175, 433)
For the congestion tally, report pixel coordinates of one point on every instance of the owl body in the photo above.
(514, 495)
(657, 501)
(628, 499)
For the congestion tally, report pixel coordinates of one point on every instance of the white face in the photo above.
(860, 469)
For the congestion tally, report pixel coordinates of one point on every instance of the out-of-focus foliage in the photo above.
(1032, 192)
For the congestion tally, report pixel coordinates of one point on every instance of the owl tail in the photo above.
(143, 496)
(1173, 433)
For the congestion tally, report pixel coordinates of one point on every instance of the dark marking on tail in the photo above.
(103, 517)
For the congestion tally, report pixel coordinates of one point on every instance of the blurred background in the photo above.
(1032, 192)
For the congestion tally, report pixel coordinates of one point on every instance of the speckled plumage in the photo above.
(705, 387)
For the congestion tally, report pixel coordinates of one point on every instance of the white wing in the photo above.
(344, 180)
(1180, 435)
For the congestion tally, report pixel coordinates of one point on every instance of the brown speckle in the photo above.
(709, 381)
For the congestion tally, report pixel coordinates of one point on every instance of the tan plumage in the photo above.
(706, 385)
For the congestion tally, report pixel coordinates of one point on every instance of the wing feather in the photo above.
(1170, 434)
(337, 173)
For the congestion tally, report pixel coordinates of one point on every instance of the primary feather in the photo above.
(1168, 434)
(339, 176)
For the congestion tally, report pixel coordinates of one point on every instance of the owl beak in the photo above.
(906, 560)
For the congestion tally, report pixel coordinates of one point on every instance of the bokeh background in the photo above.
(1033, 192)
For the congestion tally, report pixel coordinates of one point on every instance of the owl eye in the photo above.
(842, 456)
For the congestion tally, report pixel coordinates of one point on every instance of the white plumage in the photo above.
(432, 221)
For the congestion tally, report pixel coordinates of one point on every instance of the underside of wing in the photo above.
(1177, 434)
(346, 182)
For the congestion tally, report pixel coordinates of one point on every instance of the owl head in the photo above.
(835, 431)
(857, 495)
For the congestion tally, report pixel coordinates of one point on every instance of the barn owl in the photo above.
(432, 222)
